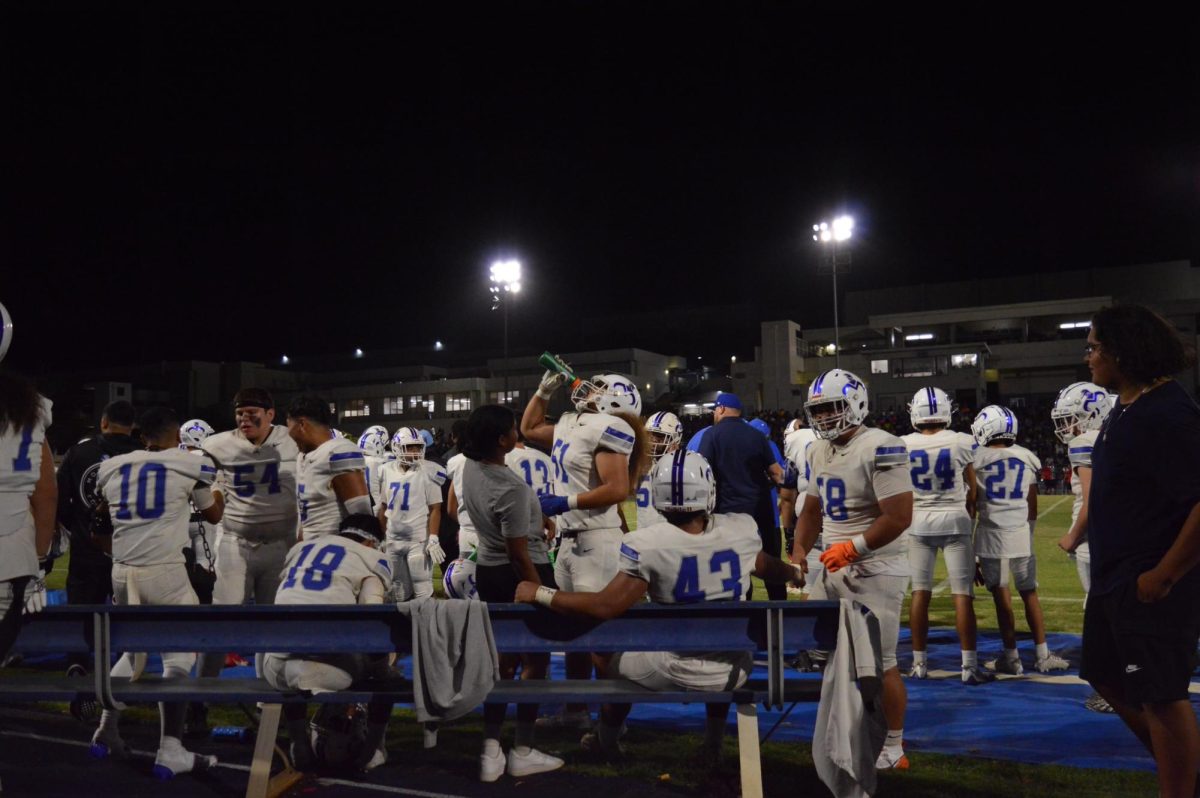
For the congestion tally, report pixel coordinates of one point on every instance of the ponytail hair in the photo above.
(485, 426)
(20, 406)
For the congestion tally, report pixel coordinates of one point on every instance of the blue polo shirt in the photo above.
(1145, 482)
(740, 456)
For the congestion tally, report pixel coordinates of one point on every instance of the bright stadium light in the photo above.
(843, 227)
(358, 353)
(438, 346)
(834, 233)
(506, 280)
(284, 360)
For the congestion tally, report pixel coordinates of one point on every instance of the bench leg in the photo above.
(264, 750)
(750, 760)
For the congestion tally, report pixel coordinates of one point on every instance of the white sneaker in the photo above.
(577, 720)
(106, 743)
(919, 670)
(377, 759)
(429, 736)
(169, 763)
(491, 767)
(534, 761)
(1012, 667)
(976, 676)
(892, 759)
(1051, 662)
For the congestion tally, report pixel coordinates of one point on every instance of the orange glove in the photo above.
(839, 555)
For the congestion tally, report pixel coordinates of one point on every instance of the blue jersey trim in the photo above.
(616, 433)
(333, 458)
(631, 553)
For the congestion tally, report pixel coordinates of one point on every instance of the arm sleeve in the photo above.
(630, 560)
(433, 492)
(346, 457)
(888, 482)
(513, 510)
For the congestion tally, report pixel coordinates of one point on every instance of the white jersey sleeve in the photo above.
(1080, 453)
(320, 511)
(1004, 476)
(330, 570)
(258, 482)
(455, 466)
(795, 451)
(149, 500)
(578, 437)
(682, 568)
(20, 469)
(436, 473)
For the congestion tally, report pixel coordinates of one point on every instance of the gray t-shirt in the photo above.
(502, 506)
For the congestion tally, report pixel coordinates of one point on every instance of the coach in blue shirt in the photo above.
(746, 471)
(1142, 620)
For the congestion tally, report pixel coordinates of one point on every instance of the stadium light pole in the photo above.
(830, 234)
(506, 284)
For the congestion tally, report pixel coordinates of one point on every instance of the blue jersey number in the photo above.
(303, 502)
(23, 462)
(994, 483)
(318, 575)
(687, 585)
(151, 499)
(833, 498)
(543, 483)
(943, 471)
(558, 455)
(395, 486)
(243, 479)
(643, 497)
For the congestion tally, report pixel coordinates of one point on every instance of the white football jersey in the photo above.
(850, 480)
(1079, 452)
(684, 569)
(795, 451)
(374, 476)
(330, 570)
(454, 468)
(20, 468)
(647, 515)
(936, 465)
(320, 511)
(577, 439)
(1004, 475)
(149, 500)
(258, 482)
(533, 466)
(407, 496)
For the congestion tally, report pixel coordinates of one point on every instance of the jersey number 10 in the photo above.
(151, 500)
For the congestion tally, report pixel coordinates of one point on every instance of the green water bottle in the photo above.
(552, 362)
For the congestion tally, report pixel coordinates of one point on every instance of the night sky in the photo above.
(190, 183)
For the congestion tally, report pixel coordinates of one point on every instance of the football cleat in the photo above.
(1012, 667)
(1051, 662)
(1096, 703)
(531, 762)
(976, 676)
(170, 762)
(892, 759)
(919, 670)
(106, 743)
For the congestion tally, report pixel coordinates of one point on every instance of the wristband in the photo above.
(573, 501)
(544, 595)
(860, 544)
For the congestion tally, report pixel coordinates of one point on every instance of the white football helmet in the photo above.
(408, 446)
(1080, 407)
(683, 482)
(994, 423)
(374, 441)
(791, 427)
(607, 393)
(930, 406)
(193, 433)
(665, 433)
(336, 433)
(845, 393)
(459, 580)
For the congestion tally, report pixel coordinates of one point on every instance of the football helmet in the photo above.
(607, 393)
(339, 733)
(374, 441)
(665, 433)
(459, 579)
(845, 394)
(6, 329)
(930, 406)
(761, 426)
(1080, 407)
(336, 433)
(994, 423)
(683, 483)
(193, 433)
(408, 446)
(791, 427)
(426, 436)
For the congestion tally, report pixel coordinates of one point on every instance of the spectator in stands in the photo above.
(1142, 624)
(89, 572)
(746, 471)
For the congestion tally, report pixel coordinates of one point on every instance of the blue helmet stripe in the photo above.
(817, 388)
(677, 479)
(932, 401)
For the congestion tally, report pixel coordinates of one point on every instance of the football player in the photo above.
(537, 469)
(468, 538)
(330, 480)
(28, 498)
(1078, 413)
(374, 445)
(343, 567)
(860, 497)
(665, 433)
(597, 453)
(943, 481)
(797, 438)
(690, 556)
(150, 495)
(1007, 477)
(410, 510)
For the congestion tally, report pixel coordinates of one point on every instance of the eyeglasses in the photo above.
(1090, 349)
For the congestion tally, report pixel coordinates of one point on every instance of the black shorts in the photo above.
(498, 583)
(1147, 650)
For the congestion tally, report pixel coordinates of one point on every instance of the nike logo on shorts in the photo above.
(1132, 668)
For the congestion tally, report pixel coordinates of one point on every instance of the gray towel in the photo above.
(454, 656)
(850, 728)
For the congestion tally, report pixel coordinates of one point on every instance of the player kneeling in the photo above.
(692, 556)
(344, 568)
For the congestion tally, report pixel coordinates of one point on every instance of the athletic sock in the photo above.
(895, 739)
(970, 659)
(110, 719)
(1011, 653)
(920, 657)
(1043, 650)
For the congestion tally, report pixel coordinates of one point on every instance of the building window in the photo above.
(421, 402)
(964, 361)
(504, 397)
(920, 367)
(393, 405)
(879, 367)
(458, 402)
(356, 408)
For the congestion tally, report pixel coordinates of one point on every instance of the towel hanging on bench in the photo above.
(454, 659)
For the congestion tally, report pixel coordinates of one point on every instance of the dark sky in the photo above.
(192, 183)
